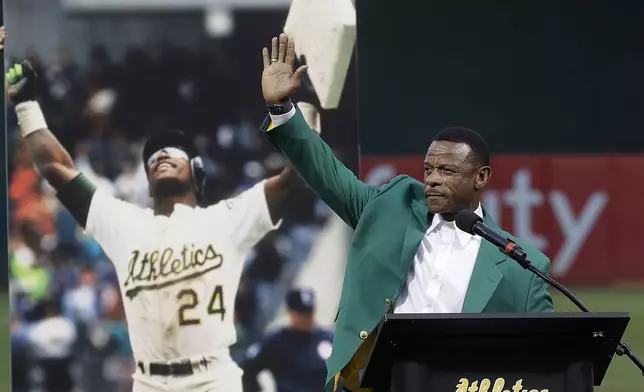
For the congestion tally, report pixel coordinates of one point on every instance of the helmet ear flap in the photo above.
(198, 174)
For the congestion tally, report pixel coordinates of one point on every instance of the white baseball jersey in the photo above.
(179, 274)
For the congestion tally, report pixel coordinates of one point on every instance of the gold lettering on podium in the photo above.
(466, 385)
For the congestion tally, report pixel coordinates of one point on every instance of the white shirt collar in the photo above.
(462, 236)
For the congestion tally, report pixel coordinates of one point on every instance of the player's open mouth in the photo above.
(164, 165)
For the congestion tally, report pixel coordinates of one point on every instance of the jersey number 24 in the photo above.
(215, 305)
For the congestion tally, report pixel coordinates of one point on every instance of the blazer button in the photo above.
(363, 335)
(388, 302)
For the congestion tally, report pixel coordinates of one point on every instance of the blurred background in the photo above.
(556, 90)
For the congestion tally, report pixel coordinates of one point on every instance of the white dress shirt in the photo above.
(441, 271)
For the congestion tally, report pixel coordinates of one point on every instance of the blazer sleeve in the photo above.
(539, 299)
(315, 163)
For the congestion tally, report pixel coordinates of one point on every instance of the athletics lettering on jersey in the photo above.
(158, 269)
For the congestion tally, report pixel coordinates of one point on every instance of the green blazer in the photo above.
(389, 223)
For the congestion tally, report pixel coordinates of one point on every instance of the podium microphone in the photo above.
(473, 224)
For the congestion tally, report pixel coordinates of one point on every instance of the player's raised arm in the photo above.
(52, 160)
(311, 157)
(97, 212)
(277, 190)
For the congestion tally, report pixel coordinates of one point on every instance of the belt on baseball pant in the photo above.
(183, 368)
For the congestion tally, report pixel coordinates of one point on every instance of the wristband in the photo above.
(30, 117)
(277, 109)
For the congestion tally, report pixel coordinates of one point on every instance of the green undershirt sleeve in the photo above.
(77, 196)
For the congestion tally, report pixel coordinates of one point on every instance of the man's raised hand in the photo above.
(279, 81)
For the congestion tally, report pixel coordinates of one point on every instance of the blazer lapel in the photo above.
(486, 275)
(417, 225)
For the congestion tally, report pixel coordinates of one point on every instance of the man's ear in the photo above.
(483, 176)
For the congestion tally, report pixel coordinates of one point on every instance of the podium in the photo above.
(519, 352)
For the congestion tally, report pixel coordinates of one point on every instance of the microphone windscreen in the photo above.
(465, 220)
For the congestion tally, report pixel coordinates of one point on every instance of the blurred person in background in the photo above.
(130, 184)
(263, 270)
(89, 163)
(26, 197)
(176, 312)
(296, 354)
(31, 281)
(82, 303)
(20, 356)
(52, 340)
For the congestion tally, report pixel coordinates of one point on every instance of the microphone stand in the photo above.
(517, 254)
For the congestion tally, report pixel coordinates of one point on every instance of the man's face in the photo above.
(169, 172)
(303, 321)
(87, 278)
(452, 178)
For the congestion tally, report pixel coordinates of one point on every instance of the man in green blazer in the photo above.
(406, 256)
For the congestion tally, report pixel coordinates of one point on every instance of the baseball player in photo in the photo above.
(178, 263)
